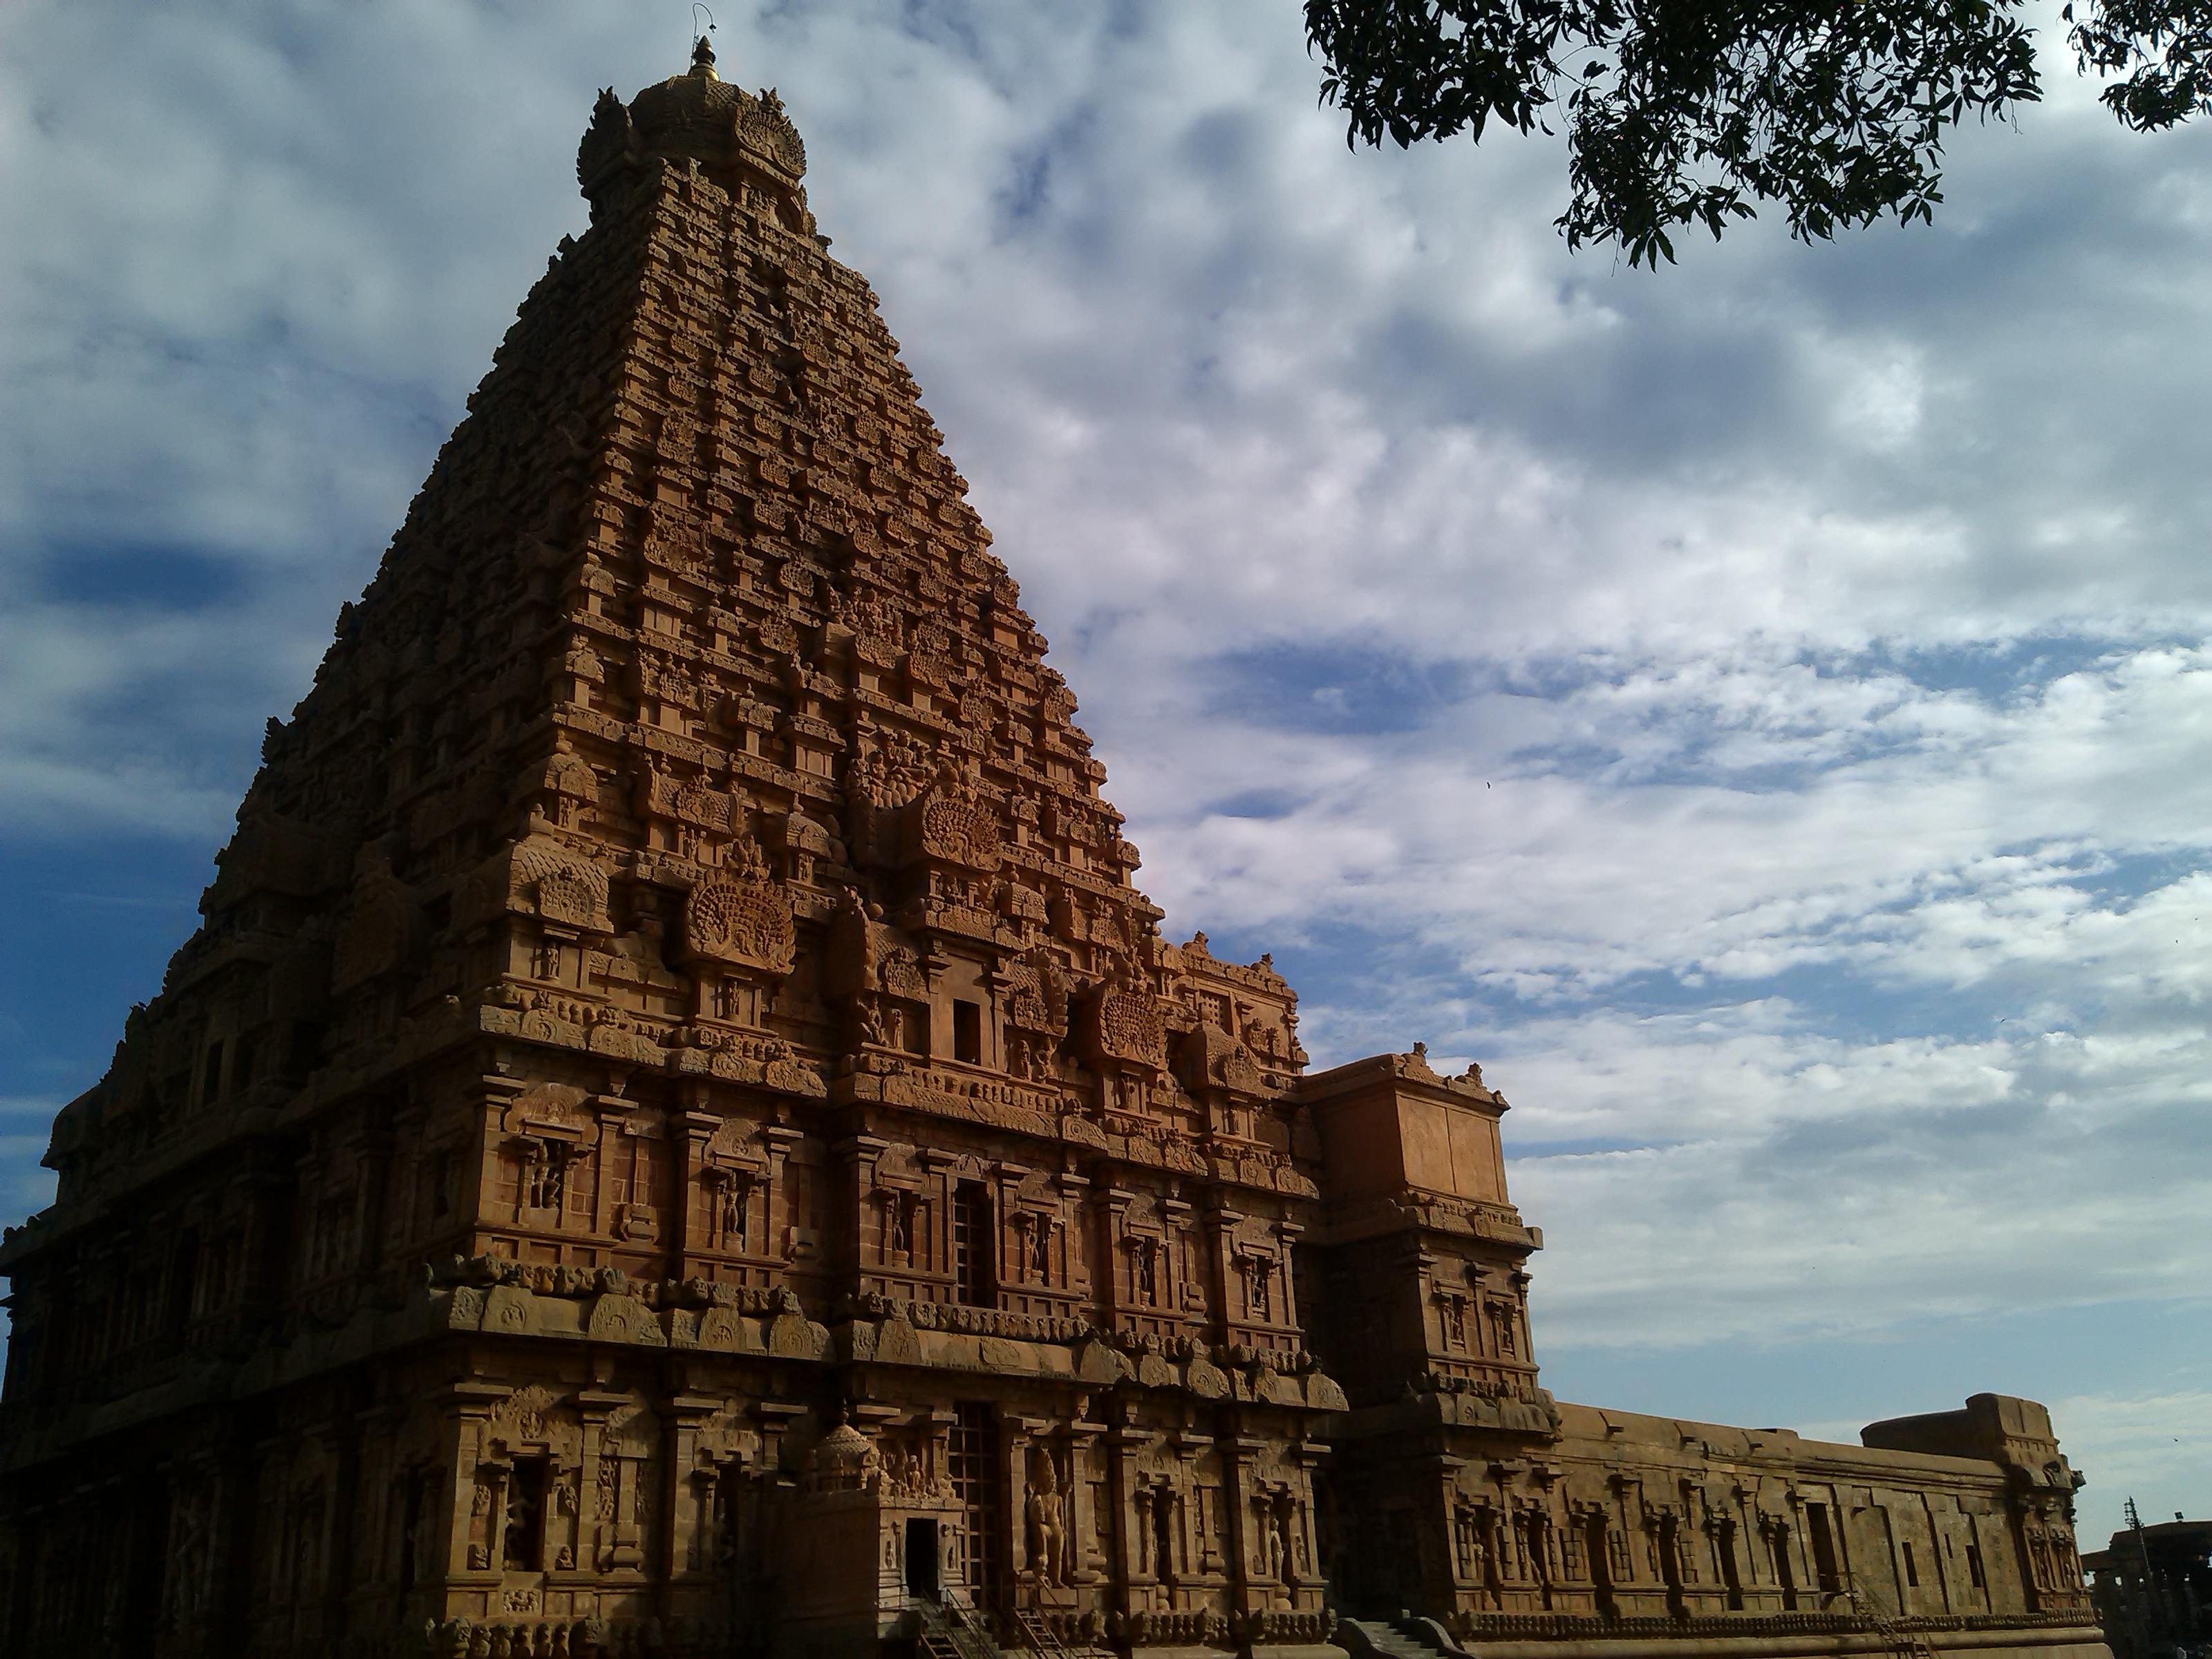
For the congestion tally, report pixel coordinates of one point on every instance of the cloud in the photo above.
(2154, 1448)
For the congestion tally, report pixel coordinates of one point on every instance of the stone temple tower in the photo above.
(678, 1135)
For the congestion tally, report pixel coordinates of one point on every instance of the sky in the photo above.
(1762, 710)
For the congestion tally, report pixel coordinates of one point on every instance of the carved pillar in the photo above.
(467, 1409)
(680, 1440)
(857, 1156)
(613, 1114)
(691, 1130)
(995, 986)
(938, 1183)
(1123, 1442)
(1221, 1223)
(1006, 1189)
(1014, 1437)
(1082, 1545)
(1306, 1547)
(1286, 1233)
(1112, 1205)
(479, 1179)
(595, 1516)
(1192, 1520)
(1179, 1268)
(779, 1141)
(1237, 1489)
(1075, 1267)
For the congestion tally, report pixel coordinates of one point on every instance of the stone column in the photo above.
(614, 1113)
(1123, 1442)
(938, 1186)
(477, 1183)
(1082, 1525)
(1112, 1205)
(1074, 1276)
(1286, 1233)
(1188, 1446)
(1014, 1437)
(939, 1421)
(467, 1407)
(1178, 1268)
(691, 1130)
(594, 1532)
(779, 1140)
(859, 1155)
(1221, 1223)
(680, 1440)
(993, 983)
(1305, 1571)
(1006, 1188)
(1237, 1456)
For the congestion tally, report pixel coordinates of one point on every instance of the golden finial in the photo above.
(703, 54)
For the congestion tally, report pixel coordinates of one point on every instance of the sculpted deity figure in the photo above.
(188, 1560)
(1279, 1514)
(1047, 1531)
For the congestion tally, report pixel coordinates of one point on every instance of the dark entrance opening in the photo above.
(921, 1559)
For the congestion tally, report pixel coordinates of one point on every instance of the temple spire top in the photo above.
(702, 59)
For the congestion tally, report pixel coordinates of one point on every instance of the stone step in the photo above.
(1392, 1642)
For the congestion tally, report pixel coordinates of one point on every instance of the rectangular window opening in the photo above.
(972, 1278)
(968, 1033)
(1911, 1568)
(1824, 1549)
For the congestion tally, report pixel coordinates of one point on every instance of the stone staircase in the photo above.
(949, 1631)
(1403, 1638)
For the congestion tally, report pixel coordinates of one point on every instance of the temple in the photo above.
(678, 1135)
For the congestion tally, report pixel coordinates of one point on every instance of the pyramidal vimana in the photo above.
(678, 1135)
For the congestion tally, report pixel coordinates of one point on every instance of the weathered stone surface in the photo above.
(677, 1106)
